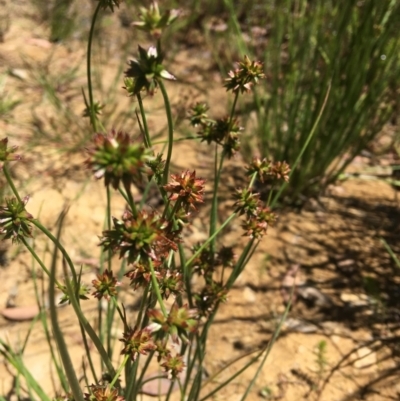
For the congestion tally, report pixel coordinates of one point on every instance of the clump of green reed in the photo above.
(150, 243)
(307, 47)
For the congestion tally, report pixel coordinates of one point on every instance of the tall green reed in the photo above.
(349, 46)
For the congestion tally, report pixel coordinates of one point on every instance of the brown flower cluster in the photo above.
(269, 171)
(116, 157)
(15, 220)
(245, 76)
(224, 131)
(102, 393)
(257, 217)
(186, 190)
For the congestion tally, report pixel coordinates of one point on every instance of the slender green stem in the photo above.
(237, 31)
(146, 365)
(123, 194)
(146, 134)
(10, 182)
(238, 373)
(253, 178)
(170, 131)
(204, 337)
(58, 335)
(214, 375)
(214, 205)
(41, 264)
(171, 386)
(127, 195)
(73, 298)
(131, 380)
(41, 300)
(240, 264)
(233, 109)
(84, 339)
(197, 253)
(88, 328)
(186, 274)
(16, 361)
(199, 353)
(116, 306)
(157, 290)
(142, 306)
(391, 253)
(118, 373)
(131, 202)
(59, 246)
(270, 345)
(217, 174)
(111, 308)
(191, 363)
(109, 323)
(145, 194)
(87, 351)
(306, 143)
(172, 212)
(108, 211)
(93, 118)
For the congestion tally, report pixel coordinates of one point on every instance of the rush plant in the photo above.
(171, 328)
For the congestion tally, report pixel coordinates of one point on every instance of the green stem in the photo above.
(240, 264)
(253, 178)
(41, 300)
(147, 140)
(233, 109)
(89, 330)
(109, 322)
(170, 131)
(306, 143)
(186, 274)
(391, 253)
(238, 373)
(119, 371)
(116, 306)
(142, 306)
(59, 246)
(214, 206)
(88, 353)
(11, 183)
(93, 118)
(127, 195)
(109, 256)
(58, 335)
(123, 194)
(269, 346)
(140, 381)
(157, 290)
(197, 253)
(73, 298)
(131, 380)
(171, 386)
(176, 207)
(44, 268)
